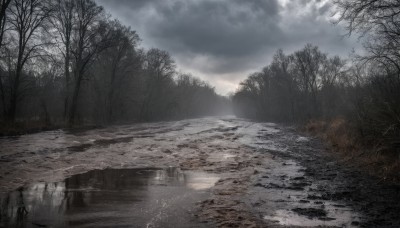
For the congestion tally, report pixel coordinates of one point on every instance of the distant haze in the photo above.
(222, 41)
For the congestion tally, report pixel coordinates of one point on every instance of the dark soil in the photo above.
(325, 179)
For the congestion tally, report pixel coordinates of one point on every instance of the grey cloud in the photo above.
(217, 28)
(235, 35)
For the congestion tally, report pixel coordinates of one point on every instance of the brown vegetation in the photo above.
(337, 132)
(377, 160)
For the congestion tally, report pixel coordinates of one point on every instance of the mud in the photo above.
(311, 187)
(268, 175)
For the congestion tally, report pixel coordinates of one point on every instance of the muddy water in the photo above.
(244, 174)
(110, 198)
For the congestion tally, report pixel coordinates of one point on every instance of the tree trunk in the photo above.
(47, 120)
(67, 81)
(14, 95)
(13, 108)
(74, 103)
(3, 98)
(111, 94)
(110, 106)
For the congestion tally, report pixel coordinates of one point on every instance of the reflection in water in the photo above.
(21, 209)
(126, 197)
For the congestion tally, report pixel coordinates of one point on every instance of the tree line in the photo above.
(68, 61)
(310, 84)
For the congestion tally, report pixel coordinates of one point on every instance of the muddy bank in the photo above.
(311, 188)
(268, 175)
(23, 128)
(17, 129)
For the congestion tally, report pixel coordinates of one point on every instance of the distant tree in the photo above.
(159, 71)
(281, 68)
(331, 92)
(48, 90)
(308, 63)
(293, 87)
(195, 97)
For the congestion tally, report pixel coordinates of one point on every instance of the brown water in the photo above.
(110, 198)
(270, 176)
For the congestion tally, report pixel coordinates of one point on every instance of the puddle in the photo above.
(110, 198)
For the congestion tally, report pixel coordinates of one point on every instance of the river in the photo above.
(206, 172)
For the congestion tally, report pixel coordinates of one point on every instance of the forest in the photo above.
(68, 63)
(362, 91)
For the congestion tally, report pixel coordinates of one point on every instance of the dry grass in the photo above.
(378, 160)
(337, 132)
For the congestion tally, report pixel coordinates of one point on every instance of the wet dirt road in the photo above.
(208, 172)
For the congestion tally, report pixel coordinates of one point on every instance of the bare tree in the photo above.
(64, 22)
(308, 62)
(87, 43)
(75, 63)
(120, 59)
(333, 70)
(3, 22)
(281, 66)
(4, 4)
(297, 87)
(378, 22)
(159, 70)
(27, 18)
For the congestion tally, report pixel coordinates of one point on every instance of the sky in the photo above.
(223, 41)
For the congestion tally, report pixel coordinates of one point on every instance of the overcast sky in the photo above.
(223, 41)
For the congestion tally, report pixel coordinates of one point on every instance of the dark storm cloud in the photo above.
(221, 28)
(226, 38)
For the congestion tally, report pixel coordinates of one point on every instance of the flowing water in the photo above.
(207, 172)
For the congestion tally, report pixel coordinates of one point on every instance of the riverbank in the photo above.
(32, 127)
(22, 128)
(378, 160)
